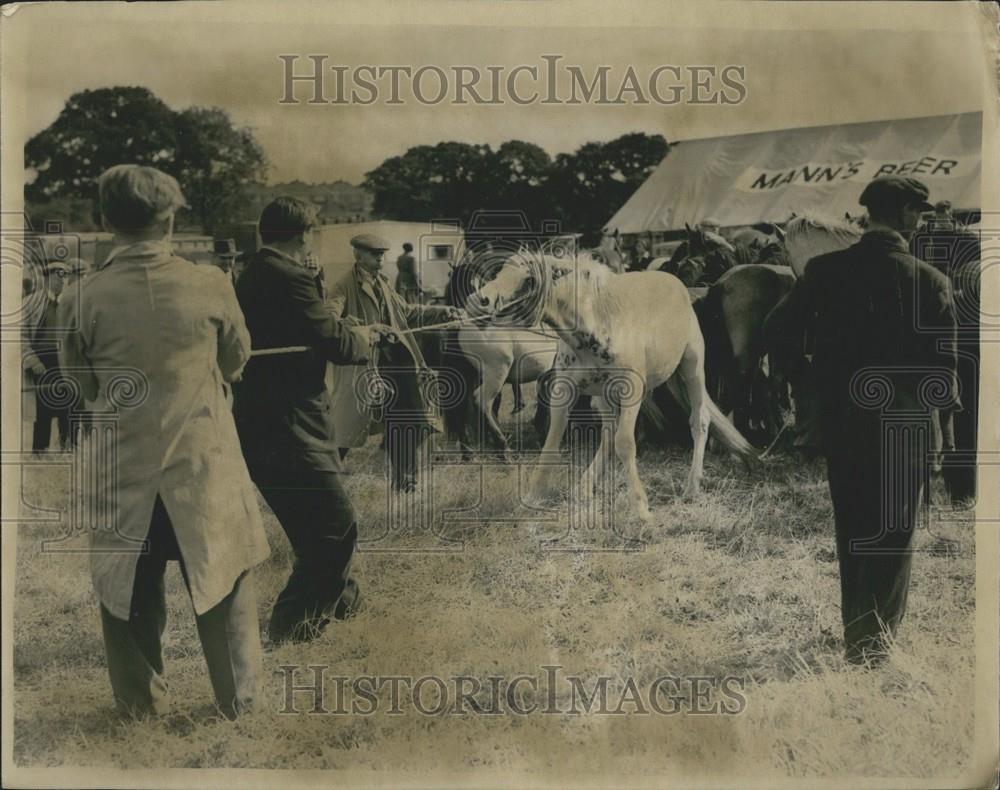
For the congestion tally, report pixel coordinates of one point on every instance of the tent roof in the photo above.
(765, 176)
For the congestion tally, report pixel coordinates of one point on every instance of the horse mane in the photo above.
(591, 275)
(804, 224)
(807, 236)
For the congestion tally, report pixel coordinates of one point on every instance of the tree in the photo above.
(95, 130)
(588, 185)
(216, 163)
(522, 170)
(453, 180)
(213, 160)
(449, 180)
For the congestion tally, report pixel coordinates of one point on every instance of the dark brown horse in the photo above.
(732, 316)
(701, 258)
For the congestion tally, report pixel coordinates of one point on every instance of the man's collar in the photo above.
(366, 276)
(885, 237)
(283, 255)
(139, 248)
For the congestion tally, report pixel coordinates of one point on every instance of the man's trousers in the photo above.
(229, 634)
(316, 514)
(875, 502)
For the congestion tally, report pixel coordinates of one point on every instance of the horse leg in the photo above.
(558, 420)
(597, 471)
(625, 449)
(518, 397)
(497, 401)
(693, 377)
(485, 394)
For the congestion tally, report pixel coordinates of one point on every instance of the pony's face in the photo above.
(513, 281)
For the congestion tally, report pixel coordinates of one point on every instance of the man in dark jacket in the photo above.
(881, 326)
(282, 411)
(41, 362)
(407, 282)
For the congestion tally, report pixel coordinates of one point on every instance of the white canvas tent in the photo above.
(743, 179)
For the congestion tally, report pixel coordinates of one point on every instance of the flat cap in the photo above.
(51, 267)
(370, 241)
(899, 190)
(224, 247)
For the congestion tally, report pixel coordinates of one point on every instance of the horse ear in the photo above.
(688, 228)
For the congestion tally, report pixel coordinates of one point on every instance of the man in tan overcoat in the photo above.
(365, 296)
(156, 339)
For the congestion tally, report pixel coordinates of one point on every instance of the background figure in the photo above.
(224, 255)
(943, 219)
(407, 282)
(956, 253)
(640, 257)
(41, 359)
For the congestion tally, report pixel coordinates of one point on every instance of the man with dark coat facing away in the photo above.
(881, 326)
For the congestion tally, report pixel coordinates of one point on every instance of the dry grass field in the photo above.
(741, 582)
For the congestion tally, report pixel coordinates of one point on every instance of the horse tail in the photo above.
(720, 428)
(718, 346)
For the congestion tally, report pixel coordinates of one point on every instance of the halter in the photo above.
(526, 310)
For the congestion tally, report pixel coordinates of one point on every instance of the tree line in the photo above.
(218, 164)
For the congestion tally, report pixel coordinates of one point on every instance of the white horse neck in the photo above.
(581, 301)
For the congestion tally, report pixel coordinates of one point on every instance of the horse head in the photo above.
(512, 291)
(806, 237)
(690, 270)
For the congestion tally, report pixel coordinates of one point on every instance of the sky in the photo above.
(227, 56)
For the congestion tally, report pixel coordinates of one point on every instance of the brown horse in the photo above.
(700, 260)
(732, 316)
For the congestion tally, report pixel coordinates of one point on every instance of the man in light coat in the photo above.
(157, 337)
(364, 296)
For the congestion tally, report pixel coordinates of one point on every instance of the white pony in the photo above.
(504, 355)
(516, 356)
(807, 236)
(622, 335)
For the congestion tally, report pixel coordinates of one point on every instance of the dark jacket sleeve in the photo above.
(326, 333)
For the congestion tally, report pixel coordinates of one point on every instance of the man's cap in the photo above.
(942, 205)
(370, 241)
(710, 222)
(898, 190)
(57, 266)
(224, 247)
